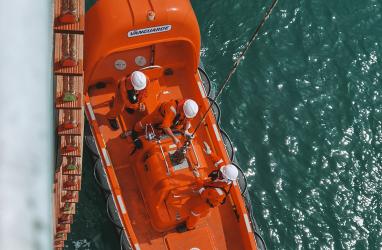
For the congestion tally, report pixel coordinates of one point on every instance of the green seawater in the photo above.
(304, 113)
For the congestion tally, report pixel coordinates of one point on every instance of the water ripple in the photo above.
(305, 115)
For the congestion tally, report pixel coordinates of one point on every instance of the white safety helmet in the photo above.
(138, 80)
(190, 108)
(229, 172)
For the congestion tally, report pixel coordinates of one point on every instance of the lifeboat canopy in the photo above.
(134, 34)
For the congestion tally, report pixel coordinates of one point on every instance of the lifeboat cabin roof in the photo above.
(123, 36)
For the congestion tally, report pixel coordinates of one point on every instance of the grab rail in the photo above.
(151, 67)
(164, 156)
(196, 155)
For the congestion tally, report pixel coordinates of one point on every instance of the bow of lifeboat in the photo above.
(150, 190)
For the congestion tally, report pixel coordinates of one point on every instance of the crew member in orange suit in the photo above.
(225, 173)
(213, 193)
(130, 95)
(199, 205)
(171, 115)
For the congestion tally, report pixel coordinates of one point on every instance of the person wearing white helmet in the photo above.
(130, 95)
(229, 172)
(225, 172)
(212, 193)
(208, 197)
(169, 116)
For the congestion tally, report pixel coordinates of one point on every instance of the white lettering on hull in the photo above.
(148, 31)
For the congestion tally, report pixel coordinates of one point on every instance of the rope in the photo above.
(230, 74)
(237, 62)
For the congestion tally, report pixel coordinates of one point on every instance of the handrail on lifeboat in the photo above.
(153, 71)
(196, 155)
(164, 157)
(151, 67)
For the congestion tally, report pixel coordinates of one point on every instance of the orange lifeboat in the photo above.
(161, 188)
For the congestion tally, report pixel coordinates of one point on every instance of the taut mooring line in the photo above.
(237, 62)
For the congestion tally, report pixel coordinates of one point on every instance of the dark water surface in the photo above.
(303, 111)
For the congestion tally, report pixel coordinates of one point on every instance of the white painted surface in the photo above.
(247, 223)
(26, 128)
(106, 156)
(216, 130)
(121, 205)
(91, 112)
(201, 88)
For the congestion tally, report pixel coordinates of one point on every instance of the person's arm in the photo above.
(186, 131)
(125, 84)
(173, 137)
(167, 122)
(218, 161)
(141, 100)
(187, 126)
(122, 89)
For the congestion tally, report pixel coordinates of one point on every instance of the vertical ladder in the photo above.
(68, 84)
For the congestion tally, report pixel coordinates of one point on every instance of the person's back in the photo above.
(129, 96)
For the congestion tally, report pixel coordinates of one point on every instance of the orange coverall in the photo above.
(217, 160)
(212, 194)
(200, 205)
(121, 100)
(165, 115)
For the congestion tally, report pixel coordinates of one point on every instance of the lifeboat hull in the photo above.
(149, 194)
